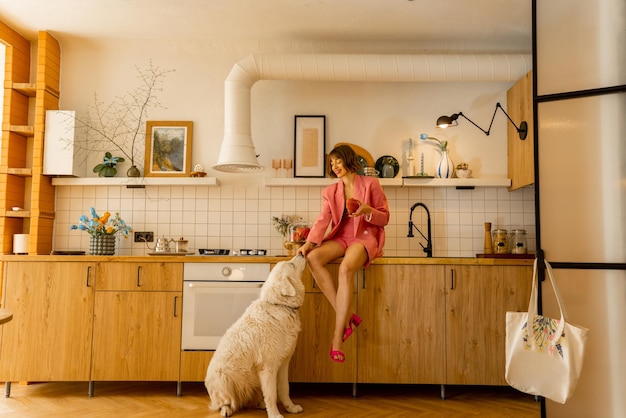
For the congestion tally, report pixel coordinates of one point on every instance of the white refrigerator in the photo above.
(580, 103)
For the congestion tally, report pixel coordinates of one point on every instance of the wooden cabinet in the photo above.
(22, 183)
(50, 336)
(194, 364)
(437, 324)
(478, 298)
(402, 337)
(121, 321)
(521, 153)
(311, 361)
(137, 322)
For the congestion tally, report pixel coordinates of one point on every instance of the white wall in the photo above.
(377, 116)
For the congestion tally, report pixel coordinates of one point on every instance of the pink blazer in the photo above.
(366, 189)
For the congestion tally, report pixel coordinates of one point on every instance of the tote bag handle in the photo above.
(532, 307)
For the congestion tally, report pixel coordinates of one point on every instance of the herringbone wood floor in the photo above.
(141, 399)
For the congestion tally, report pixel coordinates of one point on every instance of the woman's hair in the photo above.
(347, 155)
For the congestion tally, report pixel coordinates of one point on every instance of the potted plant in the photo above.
(102, 231)
(107, 167)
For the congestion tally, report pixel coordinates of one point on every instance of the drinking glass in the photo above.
(288, 166)
(276, 165)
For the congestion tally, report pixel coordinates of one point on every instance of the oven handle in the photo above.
(204, 285)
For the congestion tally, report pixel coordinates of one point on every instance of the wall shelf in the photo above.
(26, 131)
(456, 182)
(27, 89)
(135, 182)
(397, 182)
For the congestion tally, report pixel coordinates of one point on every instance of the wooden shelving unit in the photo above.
(22, 183)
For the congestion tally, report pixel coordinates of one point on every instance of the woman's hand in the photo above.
(305, 248)
(364, 209)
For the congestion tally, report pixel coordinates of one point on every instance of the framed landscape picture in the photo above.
(168, 148)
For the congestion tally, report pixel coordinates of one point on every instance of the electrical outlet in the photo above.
(145, 236)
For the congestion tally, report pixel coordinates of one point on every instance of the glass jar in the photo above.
(299, 231)
(500, 241)
(518, 241)
(181, 245)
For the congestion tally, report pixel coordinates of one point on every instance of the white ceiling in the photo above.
(497, 25)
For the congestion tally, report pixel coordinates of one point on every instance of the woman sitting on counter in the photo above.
(356, 208)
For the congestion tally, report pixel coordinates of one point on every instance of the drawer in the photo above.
(126, 276)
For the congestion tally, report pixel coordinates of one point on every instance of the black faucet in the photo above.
(428, 249)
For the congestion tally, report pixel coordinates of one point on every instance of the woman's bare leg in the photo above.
(354, 258)
(317, 259)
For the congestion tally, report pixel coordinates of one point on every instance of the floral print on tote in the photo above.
(544, 333)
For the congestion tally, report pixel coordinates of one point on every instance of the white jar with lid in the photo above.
(518, 241)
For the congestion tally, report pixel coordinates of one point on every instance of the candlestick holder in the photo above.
(422, 173)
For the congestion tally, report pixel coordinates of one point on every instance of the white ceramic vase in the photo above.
(445, 168)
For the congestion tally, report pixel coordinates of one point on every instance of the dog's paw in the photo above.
(294, 409)
(226, 411)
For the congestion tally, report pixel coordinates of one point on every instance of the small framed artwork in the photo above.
(168, 148)
(310, 146)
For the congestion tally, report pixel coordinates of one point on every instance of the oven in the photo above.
(215, 295)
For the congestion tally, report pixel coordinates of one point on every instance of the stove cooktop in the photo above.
(220, 251)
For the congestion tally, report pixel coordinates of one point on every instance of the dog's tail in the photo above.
(224, 393)
(230, 393)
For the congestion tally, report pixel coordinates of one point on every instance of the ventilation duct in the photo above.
(238, 155)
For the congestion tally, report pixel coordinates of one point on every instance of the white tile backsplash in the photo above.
(237, 217)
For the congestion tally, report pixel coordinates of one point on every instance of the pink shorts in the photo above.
(345, 237)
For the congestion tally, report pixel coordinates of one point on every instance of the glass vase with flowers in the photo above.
(281, 224)
(445, 168)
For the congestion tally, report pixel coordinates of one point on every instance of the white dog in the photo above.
(251, 363)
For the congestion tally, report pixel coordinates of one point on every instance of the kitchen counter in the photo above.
(265, 259)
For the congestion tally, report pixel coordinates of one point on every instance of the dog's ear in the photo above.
(286, 288)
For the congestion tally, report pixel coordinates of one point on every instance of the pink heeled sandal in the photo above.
(337, 356)
(354, 322)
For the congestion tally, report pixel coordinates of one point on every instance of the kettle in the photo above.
(162, 245)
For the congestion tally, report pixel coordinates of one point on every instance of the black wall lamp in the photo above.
(445, 121)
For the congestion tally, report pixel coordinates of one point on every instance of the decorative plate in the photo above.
(387, 159)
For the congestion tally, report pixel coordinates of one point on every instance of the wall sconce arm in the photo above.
(522, 130)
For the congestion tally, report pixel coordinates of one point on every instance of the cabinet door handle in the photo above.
(88, 274)
(452, 279)
(139, 276)
(175, 306)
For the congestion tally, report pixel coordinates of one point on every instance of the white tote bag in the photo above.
(544, 359)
